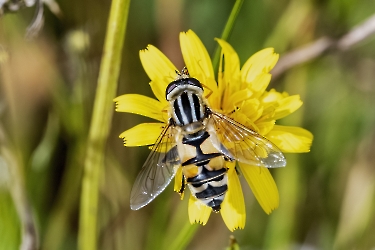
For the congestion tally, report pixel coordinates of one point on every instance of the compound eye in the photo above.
(194, 82)
(170, 88)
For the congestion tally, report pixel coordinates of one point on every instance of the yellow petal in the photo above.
(178, 182)
(268, 112)
(141, 105)
(197, 60)
(261, 62)
(236, 99)
(216, 100)
(265, 127)
(198, 212)
(252, 109)
(158, 67)
(260, 84)
(142, 134)
(262, 185)
(231, 67)
(228, 71)
(287, 106)
(242, 118)
(233, 206)
(272, 96)
(159, 91)
(291, 139)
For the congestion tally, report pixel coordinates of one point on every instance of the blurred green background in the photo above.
(47, 87)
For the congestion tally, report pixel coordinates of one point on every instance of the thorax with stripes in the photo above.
(187, 106)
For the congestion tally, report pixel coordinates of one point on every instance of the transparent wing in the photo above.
(245, 145)
(158, 170)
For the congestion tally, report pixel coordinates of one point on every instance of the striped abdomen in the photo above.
(204, 168)
(209, 186)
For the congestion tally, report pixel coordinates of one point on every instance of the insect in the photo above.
(201, 141)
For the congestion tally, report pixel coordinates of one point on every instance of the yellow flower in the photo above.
(239, 94)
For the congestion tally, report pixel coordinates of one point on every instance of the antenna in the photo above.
(183, 74)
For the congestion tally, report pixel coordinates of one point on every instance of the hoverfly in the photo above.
(201, 141)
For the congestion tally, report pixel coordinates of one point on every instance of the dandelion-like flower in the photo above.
(239, 94)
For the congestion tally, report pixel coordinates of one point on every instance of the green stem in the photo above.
(100, 123)
(226, 32)
(186, 233)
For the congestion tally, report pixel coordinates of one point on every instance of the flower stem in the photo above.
(226, 32)
(185, 234)
(100, 123)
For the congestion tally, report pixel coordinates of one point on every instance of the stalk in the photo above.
(227, 31)
(100, 123)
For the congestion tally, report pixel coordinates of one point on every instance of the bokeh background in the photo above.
(47, 88)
